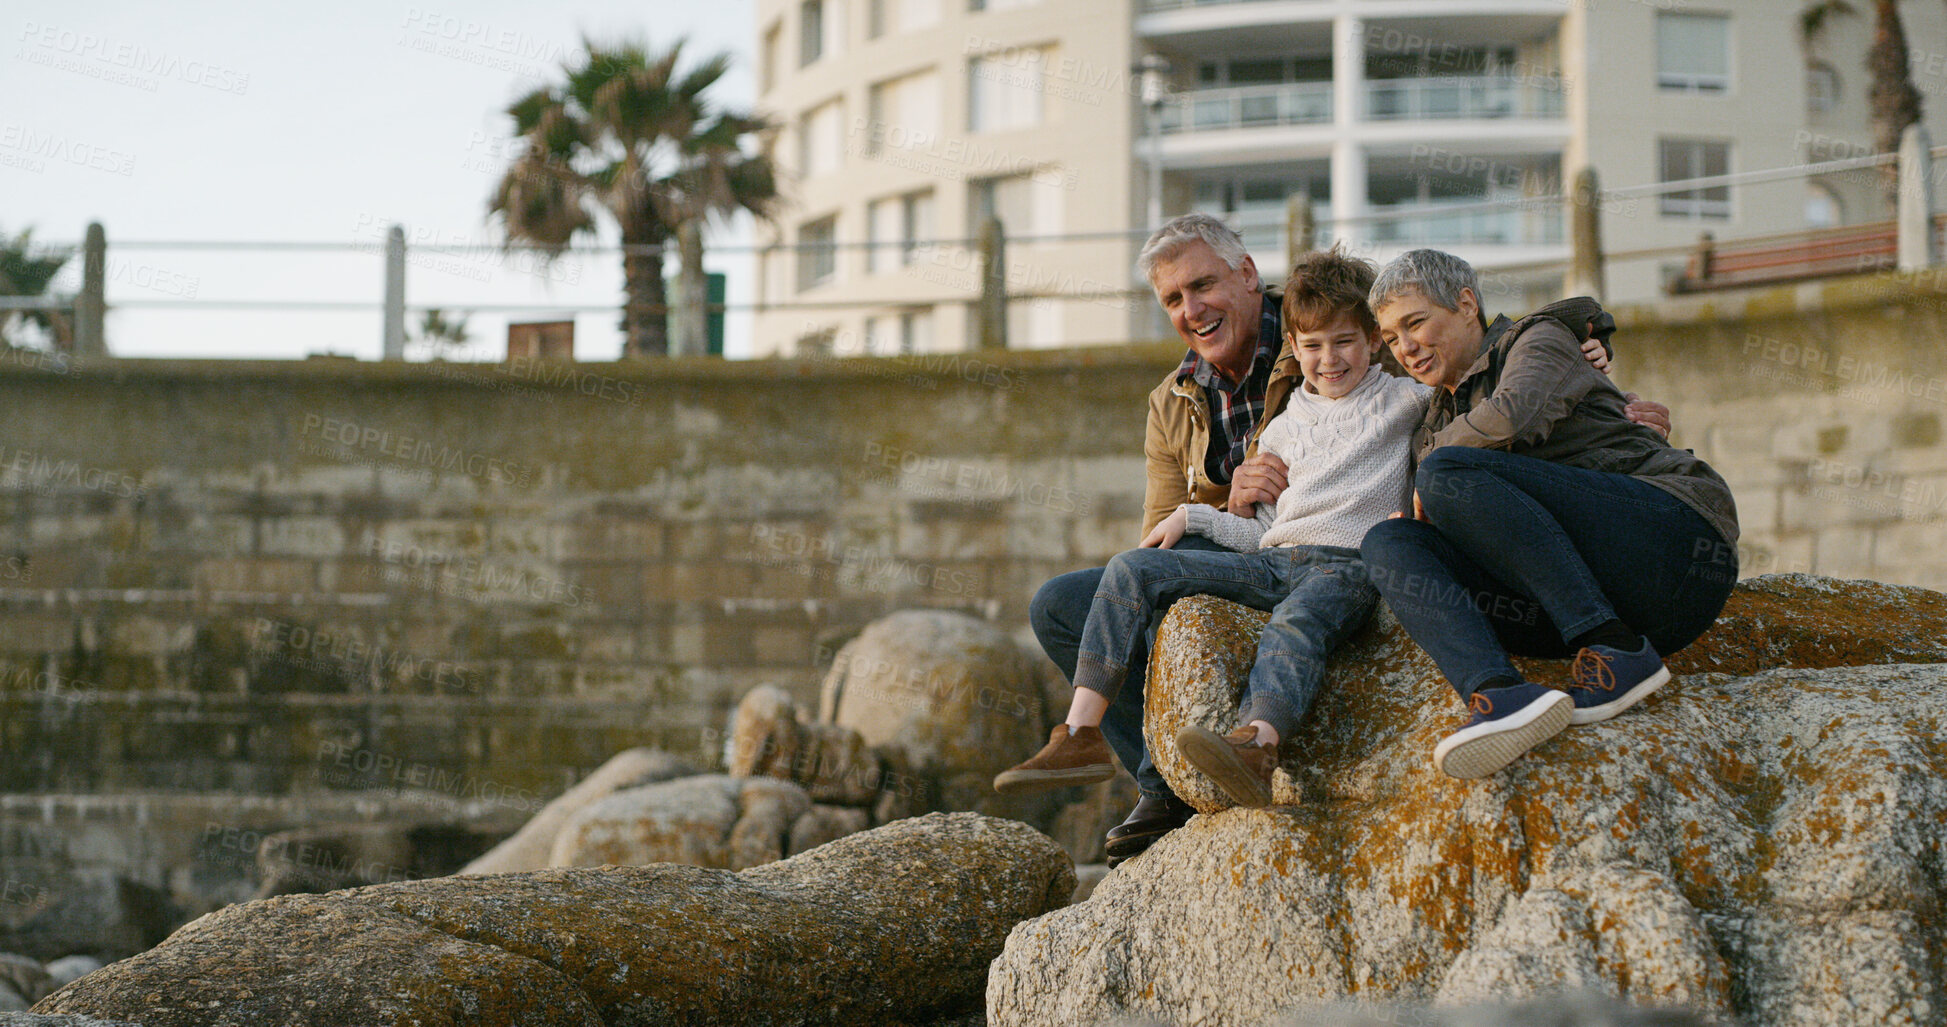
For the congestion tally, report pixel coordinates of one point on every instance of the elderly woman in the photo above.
(1545, 522)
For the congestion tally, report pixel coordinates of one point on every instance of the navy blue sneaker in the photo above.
(1507, 722)
(1607, 681)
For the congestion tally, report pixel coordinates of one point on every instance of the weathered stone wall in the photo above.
(274, 578)
(1823, 405)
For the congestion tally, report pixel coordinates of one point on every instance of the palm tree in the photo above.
(628, 134)
(26, 271)
(1812, 19)
(1894, 103)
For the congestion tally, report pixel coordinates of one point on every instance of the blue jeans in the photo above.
(1316, 595)
(1522, 555)
(1058, 613)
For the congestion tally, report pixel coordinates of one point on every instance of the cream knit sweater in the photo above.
(1347, 465)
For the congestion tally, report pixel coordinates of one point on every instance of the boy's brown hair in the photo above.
(1324, 284)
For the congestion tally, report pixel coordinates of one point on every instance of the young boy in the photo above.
(1346, 440)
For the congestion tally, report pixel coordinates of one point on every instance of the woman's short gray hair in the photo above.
(1437, 275)
(1184, 229)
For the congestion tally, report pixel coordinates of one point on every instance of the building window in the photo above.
(1821, 87)
(1004, 90)
(917, 14)
(767, 57)
(899, 225)
(1693, 52)
(821, 139)
(1027, 205)
(1683, 159)
(811, 31)
(904, 113)
(1822, 209)
(817, 252)
(915, 331)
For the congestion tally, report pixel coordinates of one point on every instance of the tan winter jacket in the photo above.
(1178, 436)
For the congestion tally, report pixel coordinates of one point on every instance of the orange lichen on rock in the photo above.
(1773, 813)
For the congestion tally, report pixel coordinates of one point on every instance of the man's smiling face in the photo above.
(1213, 305)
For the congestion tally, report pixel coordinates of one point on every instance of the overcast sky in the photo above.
(196, 120)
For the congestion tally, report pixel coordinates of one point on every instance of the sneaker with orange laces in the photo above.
(1081, 758)
(1236, 762)
(1507, 722)
(1605, 681)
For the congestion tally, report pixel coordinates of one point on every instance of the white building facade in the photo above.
(1399, 123)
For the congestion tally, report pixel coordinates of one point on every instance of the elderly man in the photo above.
(1203, 421)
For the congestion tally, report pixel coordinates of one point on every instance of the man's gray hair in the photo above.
(1437, 275)
(1184, 229)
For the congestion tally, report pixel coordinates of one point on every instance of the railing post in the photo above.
(990, 311)
(394, 347)
(1585, 235)
(1918, 247)
(1300, 226)
(91, 306)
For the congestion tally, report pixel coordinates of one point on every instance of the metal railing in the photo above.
(1290, 103)
(985, 275)
(1481, 96)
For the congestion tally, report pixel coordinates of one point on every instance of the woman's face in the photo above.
(1434, 344)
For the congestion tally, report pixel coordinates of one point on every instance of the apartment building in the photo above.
(1400, 123)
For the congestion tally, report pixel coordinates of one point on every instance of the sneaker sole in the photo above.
(1209, 752)
(1483, 749)
(1022, 782)
(1643, 690)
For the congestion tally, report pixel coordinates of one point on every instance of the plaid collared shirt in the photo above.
(1236, 407)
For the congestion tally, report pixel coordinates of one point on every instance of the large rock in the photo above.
(962, 697)
(1082, 827)
(25, 977)
(823, 824)
(530, 847)
(40, 1020)
(1761, 840)
(893, 925)
(709, 820)
(58, 910)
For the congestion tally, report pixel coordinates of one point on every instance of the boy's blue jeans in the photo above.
(1317, 595)
(1520, 555)
(1058, 613)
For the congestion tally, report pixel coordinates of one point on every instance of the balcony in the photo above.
(1488, 96)
(1212, 110)
(1466, 223)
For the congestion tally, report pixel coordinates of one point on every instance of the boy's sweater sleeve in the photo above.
(1229, 530)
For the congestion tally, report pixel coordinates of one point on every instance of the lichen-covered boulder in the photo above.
(707, 820)
(687, 820)
(531, 847)
(762, 834)
(41, 1020)
(895, 925)
(961, 696)
(1758, 842)
(822, 824)
(1082, 826)
(25, 977)
(764, 734)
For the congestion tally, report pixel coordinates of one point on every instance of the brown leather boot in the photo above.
(1239, 766)
(1082, 758)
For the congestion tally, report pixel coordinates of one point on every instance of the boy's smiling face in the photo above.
(1335, 358)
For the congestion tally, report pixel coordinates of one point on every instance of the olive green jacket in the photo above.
(1532, 392)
